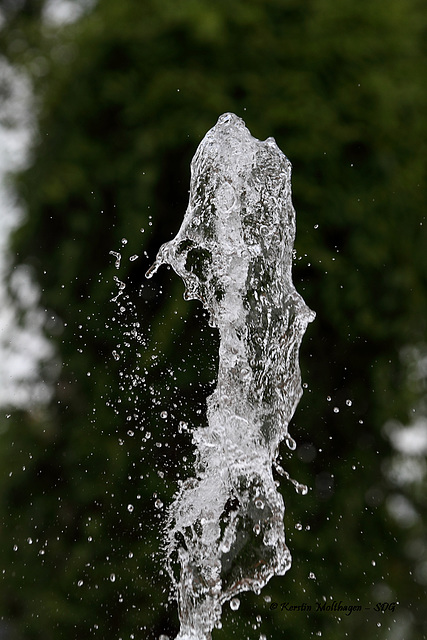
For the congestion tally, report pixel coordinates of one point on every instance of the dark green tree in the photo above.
(124, 95)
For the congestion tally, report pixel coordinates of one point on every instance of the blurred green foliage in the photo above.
(123, 96)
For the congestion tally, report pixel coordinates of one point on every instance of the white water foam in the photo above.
(225, 531)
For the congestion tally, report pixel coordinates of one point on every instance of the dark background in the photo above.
(123, 95)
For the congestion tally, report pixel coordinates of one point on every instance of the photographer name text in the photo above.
(333, 607)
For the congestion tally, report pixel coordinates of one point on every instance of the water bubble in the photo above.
(113, 577)
(298, 526)
(257, 529)
(124, 241)
(29, 540)
(158, 504)
(130, 508)
(348, 403)
(15, 547)
(164, 414)
(133, 258)
(116, 356)
(80, 583)
(311, 576)
(259, 503)
(234, 604)
(328, 398)
(336, 410)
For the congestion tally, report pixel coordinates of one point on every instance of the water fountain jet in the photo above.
(234, 251)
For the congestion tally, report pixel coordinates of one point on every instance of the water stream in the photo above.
(225, 531)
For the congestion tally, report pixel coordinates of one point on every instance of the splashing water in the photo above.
(225, 530)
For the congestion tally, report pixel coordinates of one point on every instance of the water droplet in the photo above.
(328, 398)
(158, 504)
(234, 604)
(113, 577)
(130, 508)
(80, 583)
(15, 547)
(292, 445)
(29, 540)
(336, 410)
(116, 356)
(373, 563)
(124, 241)
(118, 258)
(302, 489)
(298, 526)
(348, 403)
(133, 258)
(164, 414)
(311, 576)
(257, 529)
